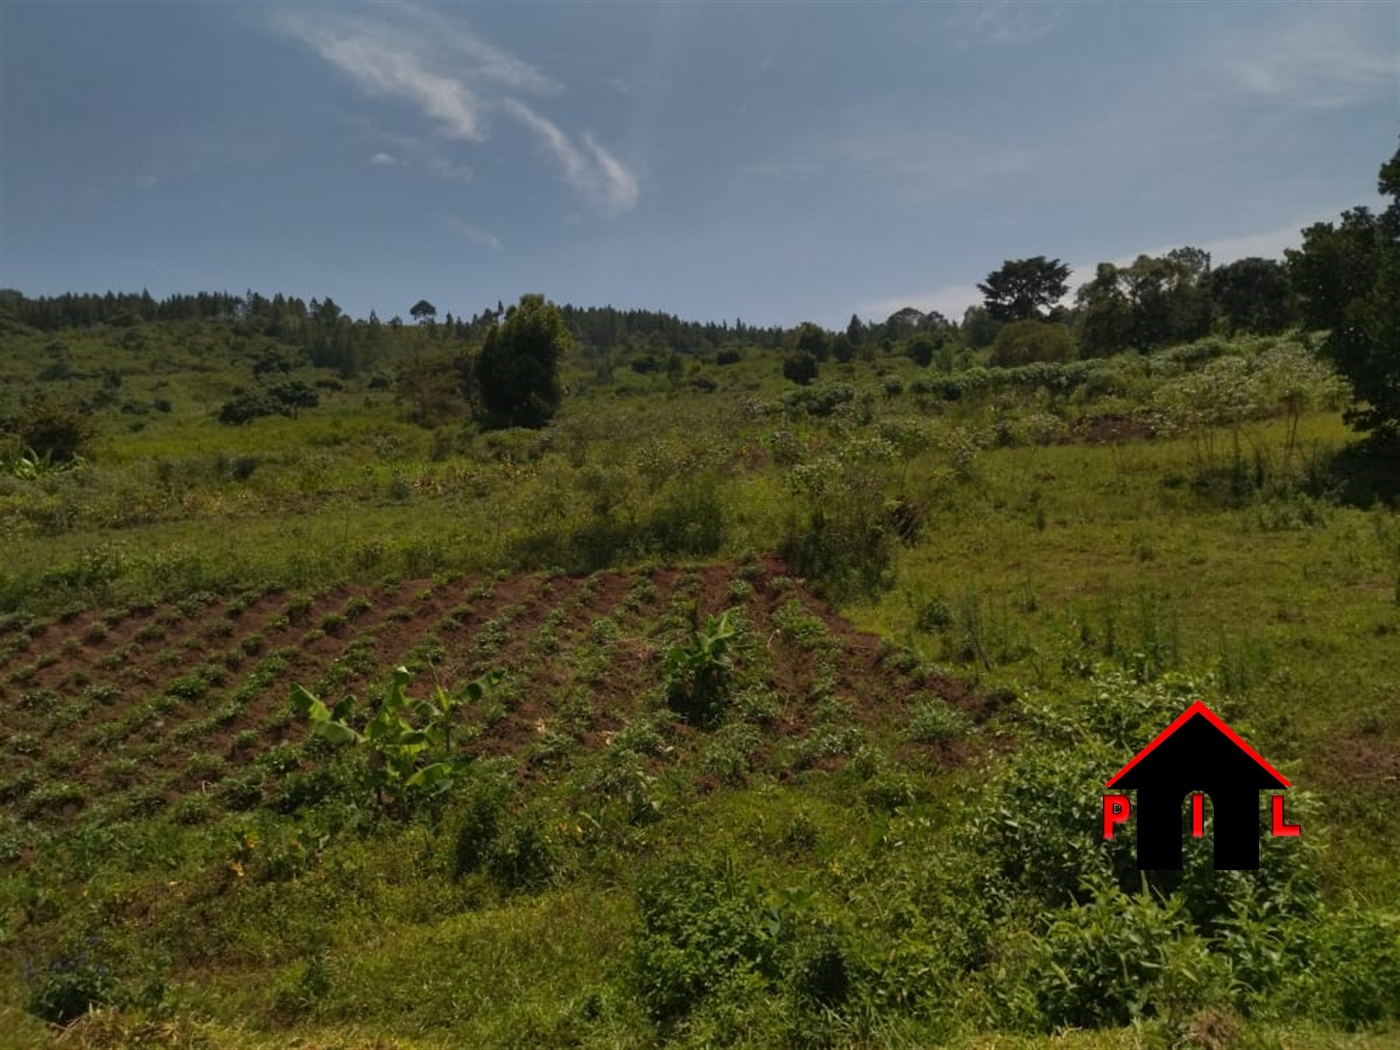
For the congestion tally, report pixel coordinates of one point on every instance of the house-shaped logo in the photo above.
(1198, 754)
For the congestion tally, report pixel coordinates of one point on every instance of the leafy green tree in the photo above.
(856, 331)
(244, 407)
(292, 396)
(1335, 267)
(800, 367)
(1023, 287)
(921, 349)
(1105, 316)
(1252, 295)
(814, 340)
(1349, 280)
(518, 370)
(842, 348)
(422, 311)
(979, 327)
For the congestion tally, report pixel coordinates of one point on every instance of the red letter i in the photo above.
(1198, 816)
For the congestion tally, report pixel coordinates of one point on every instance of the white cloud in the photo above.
(598, 174)
(1003, 22)
(456, 79)
(472, 233)
(383, 160)
(1319, 56)
(383, 65)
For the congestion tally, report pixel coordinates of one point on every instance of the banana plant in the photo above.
(697, 674)
(409, 739)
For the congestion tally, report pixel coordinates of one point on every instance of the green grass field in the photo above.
(872, 820)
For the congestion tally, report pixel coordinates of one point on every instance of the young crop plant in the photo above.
(697, 674)
(409, 741)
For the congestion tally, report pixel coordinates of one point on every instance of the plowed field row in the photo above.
(188, 706)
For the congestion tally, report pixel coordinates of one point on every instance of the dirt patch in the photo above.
(1358, 763)
(1101, 430)
(571, 674)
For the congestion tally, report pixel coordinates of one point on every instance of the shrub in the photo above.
(478, 826)
(691, 520)
(521, 859)
(78, 980)
(1022, 342)
(701, 929)
(935, 721)
(800, 368)
(56, 431)
(1117, 958)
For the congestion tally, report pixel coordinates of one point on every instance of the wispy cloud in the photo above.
(458, 80)
(473, 233)
(1319, 56)
(1002, 22)
(383, 160)
(441, 168)
(592, 169)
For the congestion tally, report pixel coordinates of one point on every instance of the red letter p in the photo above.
(1115, 811)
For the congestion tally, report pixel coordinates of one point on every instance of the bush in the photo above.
(936, 722)
(1118, 958)
(1024, 341)
(55, 431)
(800, 368)
(478, 826)
(78, 980)
(690, 520)
(521, 859)
(701, 929)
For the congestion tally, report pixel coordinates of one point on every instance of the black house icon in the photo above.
(1198, 753)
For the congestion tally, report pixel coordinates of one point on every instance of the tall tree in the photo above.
(1252, 295)
(1023, 287)
(1349, 278)
(422, 311)
(518, 370)
(1105, 323)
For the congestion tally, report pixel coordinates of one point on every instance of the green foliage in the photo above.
(840, 535)
(704, 926)
(1116, 958)
(80, 978)
(800, 368)
(409, 741)
(1022, 287)
(935, 721)
(518, 369)
(28, 465)
(479, 818)
(698, 673)
(1349, 278)
(55, 432)
(1022, 342)
(690, 519)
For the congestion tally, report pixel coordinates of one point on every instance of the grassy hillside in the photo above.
(959, 598)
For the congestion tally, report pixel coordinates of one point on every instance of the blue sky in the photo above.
(770, 161)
